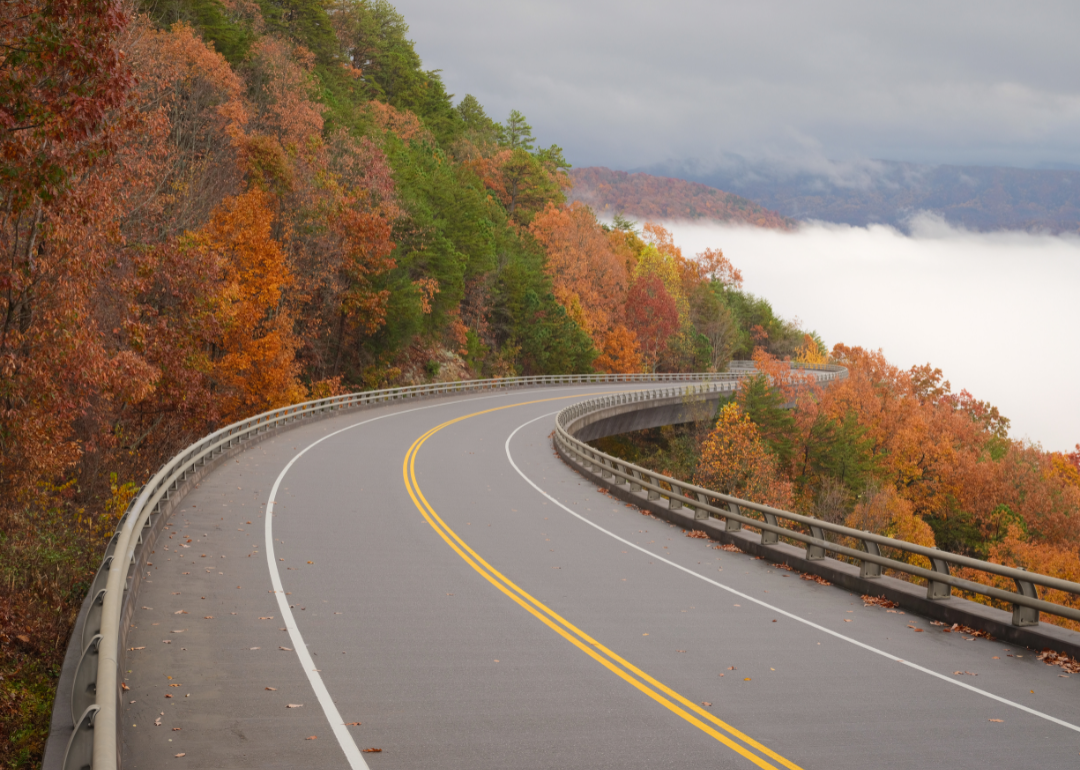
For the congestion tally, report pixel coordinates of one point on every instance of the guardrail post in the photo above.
(767, 537)
(700, 514)
(815, 552)
(84, 686)
(92, 624)
(1025, 616)
(934, 589)
(605, 472)
(618, 479)
(634, 485)
(673, 503)
(653, 494)
(732, 525)
(80, 748)
(870, 570)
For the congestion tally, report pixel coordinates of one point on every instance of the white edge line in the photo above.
(785, 613)
(333, 716)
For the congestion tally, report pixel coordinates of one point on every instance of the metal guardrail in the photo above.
(96, 694)
(708, 503)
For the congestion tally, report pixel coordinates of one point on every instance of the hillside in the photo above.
(978, 198)
(651, 197)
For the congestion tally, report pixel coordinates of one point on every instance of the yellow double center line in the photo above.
(659, 692)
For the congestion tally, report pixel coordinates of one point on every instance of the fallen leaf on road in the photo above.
(157, 722)
(747, 679)
(311, 562)
(271, 617)
(878, 601)
(372, 751)
(698, 534)
(705, 703)
(168, 696)
(176, 729)
(271, 688)
(295, 705)
(353, 724)
(182, 754)
(208, 617)
(124, 687)
(287, 649)
(181, 612)
(846, 620)
(311, 738)
(730, 668)
(995, 720)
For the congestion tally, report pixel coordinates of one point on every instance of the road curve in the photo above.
(435, 583)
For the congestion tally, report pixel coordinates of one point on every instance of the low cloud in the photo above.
(996, 312)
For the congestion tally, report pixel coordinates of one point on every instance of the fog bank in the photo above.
(995, 312)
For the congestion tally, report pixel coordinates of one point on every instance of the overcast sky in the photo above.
(631, 84)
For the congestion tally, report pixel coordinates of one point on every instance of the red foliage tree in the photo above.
(651, 315)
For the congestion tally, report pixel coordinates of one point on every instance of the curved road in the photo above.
(434, 582)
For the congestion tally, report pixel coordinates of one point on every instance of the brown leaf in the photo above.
(878, 601)
(124, 687)
(287, 649)
(181, 612)
(353, 724)
(269, 617)
(371, 751)
(273, 689)
(311, 738)
(157, 722)
(705, 703)
(23, 638)
(295, 706)
(995, 720)
(168, 696)
(208, 617)
(182, 754)
(176, 729)
(698, 534)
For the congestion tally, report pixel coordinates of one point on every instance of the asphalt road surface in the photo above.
(433, 582)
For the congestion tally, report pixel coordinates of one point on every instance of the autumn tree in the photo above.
(652, 316)
(735, 461)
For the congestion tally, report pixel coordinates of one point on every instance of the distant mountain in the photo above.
(867, 192)
(649, 197)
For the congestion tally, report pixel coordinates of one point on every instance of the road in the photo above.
(435, 583)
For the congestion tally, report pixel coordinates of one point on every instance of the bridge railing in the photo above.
(707, 503)
(96, 692)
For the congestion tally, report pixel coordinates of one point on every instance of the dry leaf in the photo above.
(353, 724)
(272, 689)
(705, 703)
(372, 751)
(287, 649)
(730, 668)
(747, 679)
(311, 738)
(157, 722)
(181, 612)
(271, 617)
(878, 601)
(295, 705)
(995, 720)
(698, 534)
(168, 696)
(124, 687)
(847, 620)
(208, 617)
(176, 729)
(182, 754)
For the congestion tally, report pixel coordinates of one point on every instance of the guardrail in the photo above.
(96, 691)
(707, 503)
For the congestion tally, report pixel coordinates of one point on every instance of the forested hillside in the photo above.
(666, 198)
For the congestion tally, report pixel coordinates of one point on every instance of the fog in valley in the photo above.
(996, 312)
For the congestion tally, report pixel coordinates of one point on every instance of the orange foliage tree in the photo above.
(735, 461)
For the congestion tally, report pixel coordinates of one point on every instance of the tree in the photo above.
(517, 133)
(588, 279)
(651, 315)
(736, 462)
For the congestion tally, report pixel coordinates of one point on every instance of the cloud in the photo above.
(996, 312)
(629, 85)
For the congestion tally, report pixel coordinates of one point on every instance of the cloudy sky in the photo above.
(630, 84)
